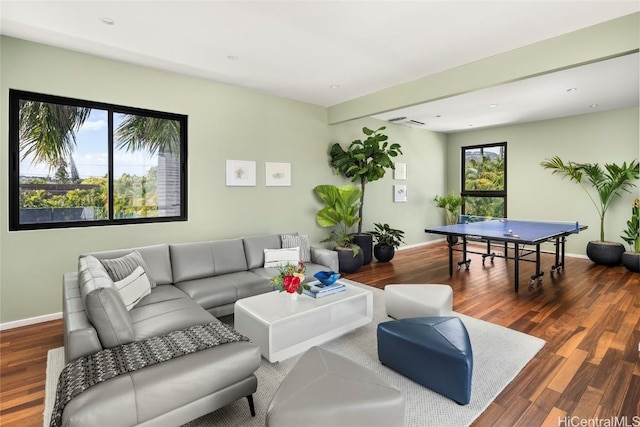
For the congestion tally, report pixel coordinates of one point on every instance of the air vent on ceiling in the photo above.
(404, 121)
(396, 119)
(415, 122)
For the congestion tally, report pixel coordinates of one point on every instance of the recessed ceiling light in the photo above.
(334, 86)
(107, 20)
(593, 105)
(493, 105)
(232, 58)
(572, 89)
(438, 115)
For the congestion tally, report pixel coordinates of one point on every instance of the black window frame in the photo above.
(483, 193)
(15, 96)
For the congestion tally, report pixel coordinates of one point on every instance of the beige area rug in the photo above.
(499, 355)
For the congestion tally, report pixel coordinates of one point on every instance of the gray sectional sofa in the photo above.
(194, 283)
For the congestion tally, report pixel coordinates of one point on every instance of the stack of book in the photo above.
(318, 290)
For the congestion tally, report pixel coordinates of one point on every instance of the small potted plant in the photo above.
(387, 240)
(451, 203)
(631, 259)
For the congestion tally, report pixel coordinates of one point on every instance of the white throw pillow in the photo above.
(134, 287)
(278, 257)
(302, 241)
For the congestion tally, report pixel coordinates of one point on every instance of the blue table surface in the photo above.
(510, 229)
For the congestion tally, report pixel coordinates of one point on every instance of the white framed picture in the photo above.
(241, 173)
(399, 193)
(277, 174)
(400, 171)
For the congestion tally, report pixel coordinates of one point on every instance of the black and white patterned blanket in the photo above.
(87, 371)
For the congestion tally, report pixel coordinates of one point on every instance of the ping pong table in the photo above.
(519, 233)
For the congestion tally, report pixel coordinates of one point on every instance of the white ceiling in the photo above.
(328, 52)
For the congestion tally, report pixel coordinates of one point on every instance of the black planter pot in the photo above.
(384, 253)
(365, 241)
(605, 253)
(631, 260)
(348, 262)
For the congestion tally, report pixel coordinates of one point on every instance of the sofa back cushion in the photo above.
(156, 258)
(254, 247)
(103, 304)
(191, 261)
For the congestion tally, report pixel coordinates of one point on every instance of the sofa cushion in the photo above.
(248, 284)
(149, 393)
(156, 258)
(191, 261)
(134, 287)
(228, 256)
(254, 248)
(302, 242)
(103, 304)
(210, 292)
(281, 257)
(164, 310)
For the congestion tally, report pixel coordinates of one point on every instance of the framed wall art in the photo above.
(277, 174)
(241, 173)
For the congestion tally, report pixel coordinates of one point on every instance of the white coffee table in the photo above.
(283, 327)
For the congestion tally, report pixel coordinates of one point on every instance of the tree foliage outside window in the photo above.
(484, 180)
(79, 163)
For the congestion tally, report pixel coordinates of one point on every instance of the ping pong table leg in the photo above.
(516, 268)
(449, 241)
(559, 265)
(464, 261)
(538, 276)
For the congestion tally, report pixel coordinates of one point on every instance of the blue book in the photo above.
(319, 288)
(324, 293)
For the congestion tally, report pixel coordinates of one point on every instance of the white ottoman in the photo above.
(403, 301)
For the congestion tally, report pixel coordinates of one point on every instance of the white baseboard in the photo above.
(417, 245)
(30, 321)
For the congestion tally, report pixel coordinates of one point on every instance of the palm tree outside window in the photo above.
(79, 163)
(484, 180)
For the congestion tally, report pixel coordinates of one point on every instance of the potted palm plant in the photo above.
(363, 162)
(451, 203)
(631, 259)
(607, 183)
(341, 212)
(387, 241)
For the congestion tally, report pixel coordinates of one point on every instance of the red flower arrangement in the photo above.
(290, 278)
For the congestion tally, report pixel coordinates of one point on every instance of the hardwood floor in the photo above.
(589, 315)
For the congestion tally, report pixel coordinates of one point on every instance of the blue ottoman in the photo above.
(433, 351)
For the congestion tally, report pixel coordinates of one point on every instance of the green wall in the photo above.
(534, 193)
(228, 122)
(225, 122)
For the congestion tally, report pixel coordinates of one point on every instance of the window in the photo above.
(484, 180)
(79, 163)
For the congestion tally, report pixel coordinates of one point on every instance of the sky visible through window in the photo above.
(90, 153)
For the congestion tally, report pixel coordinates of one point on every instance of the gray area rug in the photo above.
(499, 355)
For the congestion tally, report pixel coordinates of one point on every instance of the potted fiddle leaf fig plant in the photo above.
(606, 183)
(364, 161)
(387, 241)
(341, 212)
(631, 259)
